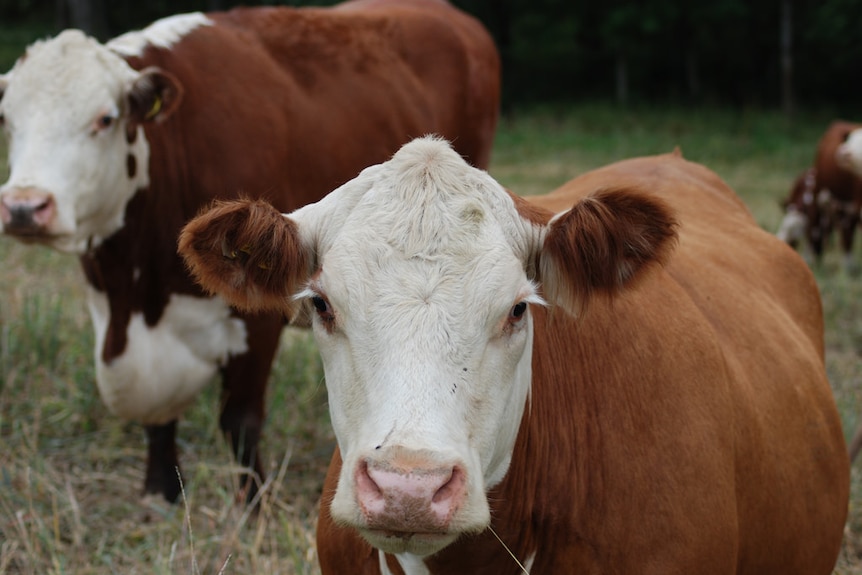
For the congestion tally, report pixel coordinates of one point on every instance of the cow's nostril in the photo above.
(451, 488)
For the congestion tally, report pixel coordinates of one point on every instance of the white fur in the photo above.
(162, 33)
(792, 226)
(164, 367)
(849, 154)
(410, 564)
(53, 101)
(422, 259)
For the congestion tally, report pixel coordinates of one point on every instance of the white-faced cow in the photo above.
(523, 369)
(832, 199)
(113, 147)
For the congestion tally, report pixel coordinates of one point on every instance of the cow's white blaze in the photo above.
(422, 260)
(849, 154)
(164, 367)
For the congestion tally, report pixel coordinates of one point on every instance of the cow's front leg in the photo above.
(244, 380)
(163, 474)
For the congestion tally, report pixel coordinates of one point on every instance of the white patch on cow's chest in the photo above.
(163, 368)
(162, 33)
(410, 564)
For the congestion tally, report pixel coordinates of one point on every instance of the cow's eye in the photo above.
(518, 311)
(323, 309)
(103, 122)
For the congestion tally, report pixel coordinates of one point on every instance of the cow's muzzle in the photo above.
(26, 212)
(409, 498)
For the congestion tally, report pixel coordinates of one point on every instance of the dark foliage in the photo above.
(724, 52)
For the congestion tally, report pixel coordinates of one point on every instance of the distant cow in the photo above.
(807, 222)
(113, 147)
(665, 419)
(836, 196)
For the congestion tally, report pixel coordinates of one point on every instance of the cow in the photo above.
(623, 376)
(836, 195)
(807, 221)
(113, 147)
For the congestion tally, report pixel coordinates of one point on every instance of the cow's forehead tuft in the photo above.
(429, 201)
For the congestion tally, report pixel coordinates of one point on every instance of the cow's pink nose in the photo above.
(26, 211)
(409, 499)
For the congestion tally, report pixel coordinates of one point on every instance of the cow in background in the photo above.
(112, 148)
(807, 222)
(834, 200)
(671, 415)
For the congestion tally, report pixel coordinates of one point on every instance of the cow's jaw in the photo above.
(74, 163)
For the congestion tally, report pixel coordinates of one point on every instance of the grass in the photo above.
(70, 472)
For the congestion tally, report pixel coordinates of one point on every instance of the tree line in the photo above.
(757, 53)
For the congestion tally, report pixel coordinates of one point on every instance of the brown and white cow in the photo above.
(523, 369)
(807, 222)
(834, 200)
(113, 147)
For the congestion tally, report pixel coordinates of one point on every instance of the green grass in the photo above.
(70, 472)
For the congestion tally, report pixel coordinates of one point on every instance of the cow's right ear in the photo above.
(602, 245)
(4, 82)
(153, 96)
(248, 253)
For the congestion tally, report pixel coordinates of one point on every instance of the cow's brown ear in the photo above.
(248, 253)
(154, 95)
(602, 245)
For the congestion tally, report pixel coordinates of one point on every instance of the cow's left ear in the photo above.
(153, 96)
(602, 245)
(248, 253)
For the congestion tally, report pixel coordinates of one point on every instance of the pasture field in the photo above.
(70, 472)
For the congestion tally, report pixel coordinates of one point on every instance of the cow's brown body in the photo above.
(685, 427)
(284, 104)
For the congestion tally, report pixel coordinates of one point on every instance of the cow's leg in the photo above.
(849, 221)
(162, 462)
(244, 380)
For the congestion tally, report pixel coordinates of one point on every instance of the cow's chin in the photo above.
(395, 542)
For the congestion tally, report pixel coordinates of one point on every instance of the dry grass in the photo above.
(70, 472)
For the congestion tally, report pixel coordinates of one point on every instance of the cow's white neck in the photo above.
(410, 564)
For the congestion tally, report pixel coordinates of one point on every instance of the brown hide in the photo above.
(285, 104)
(687, 426)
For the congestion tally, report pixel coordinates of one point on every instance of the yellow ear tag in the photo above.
(157, 106)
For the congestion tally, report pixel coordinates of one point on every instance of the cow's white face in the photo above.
(72, 113)
(419, 276)
(849, 154)
(423, 322)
